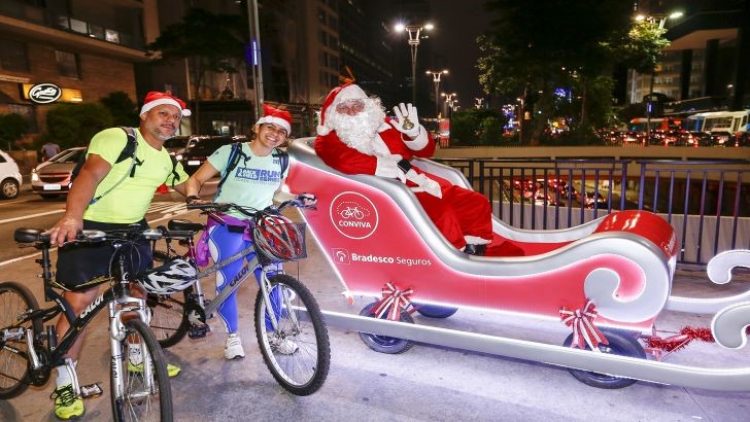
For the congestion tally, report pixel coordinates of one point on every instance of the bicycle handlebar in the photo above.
(248, 211)
(27, 235)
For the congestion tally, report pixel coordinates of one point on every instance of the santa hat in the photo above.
(338, 95)
(156, 98)
(276, 116)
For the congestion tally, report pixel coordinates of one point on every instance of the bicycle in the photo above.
(285, 310)
(29, 352)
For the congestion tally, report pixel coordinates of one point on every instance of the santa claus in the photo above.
(356, 137)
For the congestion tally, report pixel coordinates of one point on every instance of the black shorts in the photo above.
(88, 264)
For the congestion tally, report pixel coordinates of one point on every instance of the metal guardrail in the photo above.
(707, 202)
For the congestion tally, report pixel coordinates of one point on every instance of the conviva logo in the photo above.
(354, 215)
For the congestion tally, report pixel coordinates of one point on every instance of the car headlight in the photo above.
(34, 176)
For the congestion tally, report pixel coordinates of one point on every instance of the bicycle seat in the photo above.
(179, 224)
(26, 235)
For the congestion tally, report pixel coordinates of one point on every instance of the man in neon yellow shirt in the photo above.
(111, 194)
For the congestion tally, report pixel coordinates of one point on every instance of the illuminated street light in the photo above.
(436, 74)
(649, 103)
(415, 34)
(478, 102)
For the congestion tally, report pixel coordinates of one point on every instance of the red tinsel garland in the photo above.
(679, 341)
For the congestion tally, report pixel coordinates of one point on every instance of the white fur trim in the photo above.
(278, 121)
(323, 130)
(151, 104)
(419, 142)
(476, 240)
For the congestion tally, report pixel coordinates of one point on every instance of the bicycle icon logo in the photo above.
(352, 212)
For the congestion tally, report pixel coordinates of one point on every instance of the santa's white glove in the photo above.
(424, 184)
(407, 121)
(388, 167)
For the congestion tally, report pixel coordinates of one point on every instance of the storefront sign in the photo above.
(44, 93)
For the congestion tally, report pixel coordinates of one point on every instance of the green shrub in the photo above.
(12, 127)
(73, 125)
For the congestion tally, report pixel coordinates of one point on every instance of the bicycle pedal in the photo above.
(91, 390)
(197, 331)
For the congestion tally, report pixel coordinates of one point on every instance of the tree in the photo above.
(477, 127)
(537, 48)
(73, 125)
(210, 42)
(123, 110)
(12, 127)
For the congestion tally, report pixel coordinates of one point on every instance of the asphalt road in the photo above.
(424, 384)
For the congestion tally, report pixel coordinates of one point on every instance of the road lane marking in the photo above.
(34, 255)
(26, 217)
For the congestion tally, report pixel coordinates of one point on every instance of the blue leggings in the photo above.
(222, 244)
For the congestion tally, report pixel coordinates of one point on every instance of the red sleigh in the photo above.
(607, 279)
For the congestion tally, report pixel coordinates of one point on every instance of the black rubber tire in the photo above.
(169, 320)
(120, 410)
(621, 344)
(9, 189)
(385, 344)
(18, 382)
(434, 311)
(320, 350)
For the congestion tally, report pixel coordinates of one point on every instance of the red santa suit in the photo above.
(458, 214)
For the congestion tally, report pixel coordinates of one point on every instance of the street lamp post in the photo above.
(436, 80)
(415, 34)
(450, 99)
(649, 101)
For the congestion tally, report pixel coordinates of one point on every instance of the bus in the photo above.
(664, 124)
(719, 121)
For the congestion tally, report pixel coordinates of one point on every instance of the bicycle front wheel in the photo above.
(141, 391)
(169, 319)
(298, 353)
(15, 300)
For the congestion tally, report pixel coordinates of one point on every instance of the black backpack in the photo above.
(128, 152)
(237, 154)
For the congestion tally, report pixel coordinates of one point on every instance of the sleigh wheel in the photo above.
(620, 344)
(434, 311)
(385, 344)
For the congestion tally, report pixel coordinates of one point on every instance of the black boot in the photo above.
(472, 249)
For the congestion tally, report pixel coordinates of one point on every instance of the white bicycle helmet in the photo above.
(174, 276)
(279, 238)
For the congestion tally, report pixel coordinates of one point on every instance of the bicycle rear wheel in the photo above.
(15, 300)
(169, 319)
(298, 354)
(144, 393)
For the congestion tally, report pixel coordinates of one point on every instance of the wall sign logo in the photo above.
(353, 215)
(341, 255)
(45, 93)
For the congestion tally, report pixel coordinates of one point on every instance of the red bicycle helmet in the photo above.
(279, 238)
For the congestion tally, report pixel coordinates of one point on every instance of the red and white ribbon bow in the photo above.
(394, 301)
(585, 333)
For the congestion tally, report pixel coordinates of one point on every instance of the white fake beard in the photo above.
(361, 131)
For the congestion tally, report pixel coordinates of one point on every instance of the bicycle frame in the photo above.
(54, 352)
(251, 261)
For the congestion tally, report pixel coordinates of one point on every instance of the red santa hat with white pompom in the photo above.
(276, 116)
(157, 98)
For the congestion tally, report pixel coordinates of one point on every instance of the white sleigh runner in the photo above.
(606, 282)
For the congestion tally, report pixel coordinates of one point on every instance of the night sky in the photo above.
(458, 23)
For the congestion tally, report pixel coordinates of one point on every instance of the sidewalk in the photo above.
(426, 383)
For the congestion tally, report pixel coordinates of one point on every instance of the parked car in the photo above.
(10, 177)
(51, 178)
(198, 148)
